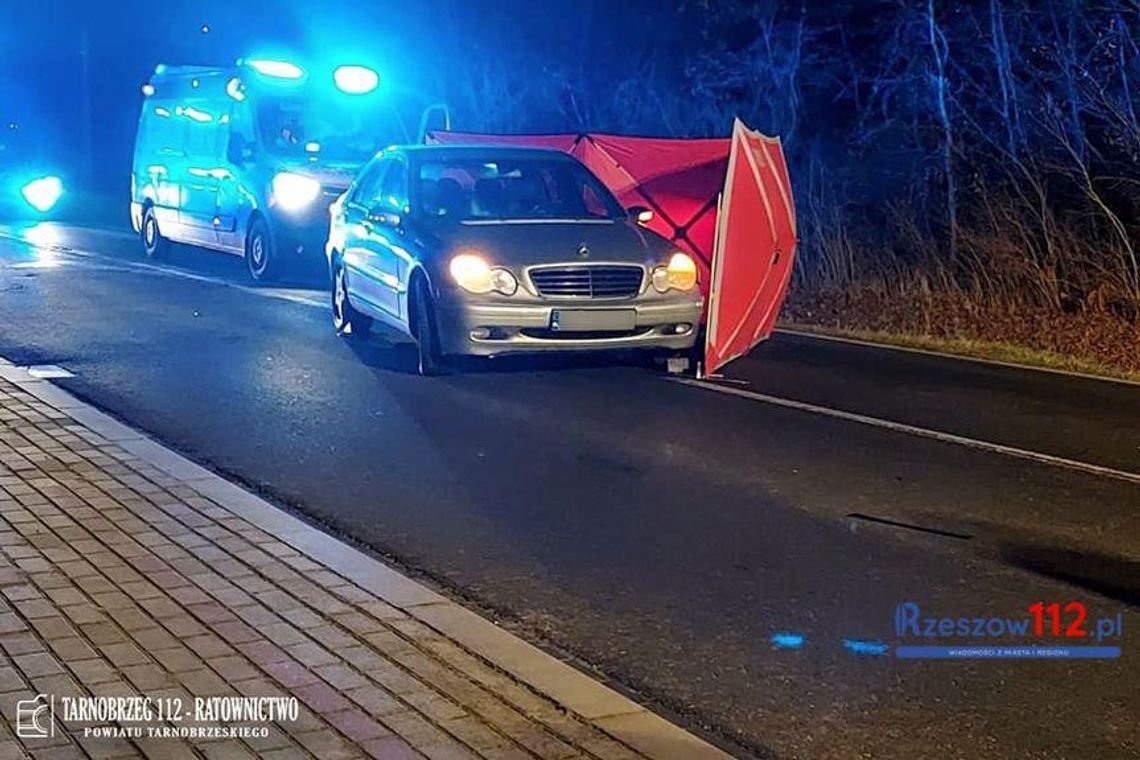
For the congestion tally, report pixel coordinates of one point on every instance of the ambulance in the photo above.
(246, 159)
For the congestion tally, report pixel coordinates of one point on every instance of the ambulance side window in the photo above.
(163, 132)
(241, 138)
(204, 131)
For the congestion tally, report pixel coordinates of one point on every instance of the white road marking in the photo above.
(120, 234)
(48, 371)
(937, 435)
(292, 295)
(959, 357)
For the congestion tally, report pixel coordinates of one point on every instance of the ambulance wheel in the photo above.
(154, 244)
(260, 258)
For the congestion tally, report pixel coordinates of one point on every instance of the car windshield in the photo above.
(327, 130)
(514, 188)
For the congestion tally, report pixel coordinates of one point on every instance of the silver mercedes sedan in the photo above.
(474, 250)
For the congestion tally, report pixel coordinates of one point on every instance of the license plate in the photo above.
(590, 320)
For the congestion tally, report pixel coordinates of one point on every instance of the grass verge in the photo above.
(977, 349)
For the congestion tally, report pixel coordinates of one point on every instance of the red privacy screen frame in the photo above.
(755, 248)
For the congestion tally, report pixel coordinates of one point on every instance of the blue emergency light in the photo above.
(277, 69)
(356, 80)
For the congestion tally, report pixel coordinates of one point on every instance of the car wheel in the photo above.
(154, 244)
(346, 320)
(259, 255)
(427, 332)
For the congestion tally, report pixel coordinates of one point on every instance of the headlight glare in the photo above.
(472, 273)
(679, 274)
(43, 193)
(294, 192)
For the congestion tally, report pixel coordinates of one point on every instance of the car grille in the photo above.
(588, 281)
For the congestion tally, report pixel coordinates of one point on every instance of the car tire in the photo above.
(260, 258)
(347, 321)
(427, 331)
(154, 244)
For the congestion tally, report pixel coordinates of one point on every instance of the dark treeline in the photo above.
(948, 156)
(989, 150)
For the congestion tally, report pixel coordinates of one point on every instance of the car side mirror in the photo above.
(385, 218)
(641, 214)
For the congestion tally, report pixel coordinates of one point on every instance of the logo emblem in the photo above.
(35, 718)
(583, 251)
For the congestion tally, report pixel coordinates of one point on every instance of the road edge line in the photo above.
(959, 357)
(586, 698)
(139, 267)
(921, 432)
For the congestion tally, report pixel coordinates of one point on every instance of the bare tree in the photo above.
(940, 53)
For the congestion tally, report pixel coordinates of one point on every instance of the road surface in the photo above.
(656, 532)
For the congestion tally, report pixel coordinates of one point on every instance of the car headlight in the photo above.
(472, 273)
(679, 274)
(43, 193)
(294, 192)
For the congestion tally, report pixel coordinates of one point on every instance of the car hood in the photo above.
(525, 243)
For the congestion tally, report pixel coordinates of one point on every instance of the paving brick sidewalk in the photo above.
(120, 577)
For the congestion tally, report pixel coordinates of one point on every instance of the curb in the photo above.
(573, 691)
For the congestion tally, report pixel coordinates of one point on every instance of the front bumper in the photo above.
(490, 329)
(301, 234)
(295, 241)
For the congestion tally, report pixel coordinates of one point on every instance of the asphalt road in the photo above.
(656, 532)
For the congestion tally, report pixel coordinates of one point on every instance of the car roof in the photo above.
(476, 151)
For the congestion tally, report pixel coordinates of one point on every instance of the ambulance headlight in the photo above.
(294, 192)
(42, 194)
